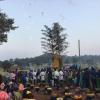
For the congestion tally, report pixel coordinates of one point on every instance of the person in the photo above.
(10, 88)
(2, 85)
(34, 77)
(56, 78)
(42, 75)
(61, 77)
(31, 76)
(17, 94)
(3, 94)
(24, 79)
(12, 76)
(81, 78)
(49, 76)
(93, 78)
(98, 79)
(1, 79)
(38, 76)
(21, 87)
(7, 77)
(78, 78)
(86, 78)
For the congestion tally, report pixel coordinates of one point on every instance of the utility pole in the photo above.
(79, 47)
(79, 52)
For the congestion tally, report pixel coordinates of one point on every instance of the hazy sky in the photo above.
(81, 18)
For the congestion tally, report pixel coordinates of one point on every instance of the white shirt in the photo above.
(42, 75)
(61, 75)
(34, 75)
(56, 74)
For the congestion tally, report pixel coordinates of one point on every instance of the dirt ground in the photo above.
(42, 96)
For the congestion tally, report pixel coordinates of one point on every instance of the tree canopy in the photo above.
(6, 24)
(54, 41)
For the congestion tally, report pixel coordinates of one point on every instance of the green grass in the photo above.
(2, 72)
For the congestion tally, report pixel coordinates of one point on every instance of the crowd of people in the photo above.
(85, 78)
(14, 85)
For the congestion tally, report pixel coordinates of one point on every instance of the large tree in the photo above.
(54, 40)
(6, 24)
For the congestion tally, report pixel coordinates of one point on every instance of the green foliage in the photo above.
(42, 59)
(6, 24)
(46, 59)
(75, 59)
(54, 41)
(6, 64)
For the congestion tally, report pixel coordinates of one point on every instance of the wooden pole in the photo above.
(79, 52)
(79, 47)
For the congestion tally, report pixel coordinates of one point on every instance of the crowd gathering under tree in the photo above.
(17, 85)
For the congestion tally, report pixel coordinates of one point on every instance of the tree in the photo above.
(75, 59)
(6, 65)
(6, 24)
(54, 41)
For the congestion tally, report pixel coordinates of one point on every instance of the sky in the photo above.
(80, 18)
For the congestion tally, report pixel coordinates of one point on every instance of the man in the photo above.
(34, 77)
(12, 76)
(30, 76)
(93, 75)
(49, 76)
(56, 78)
(61, 77)
(42, 75)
